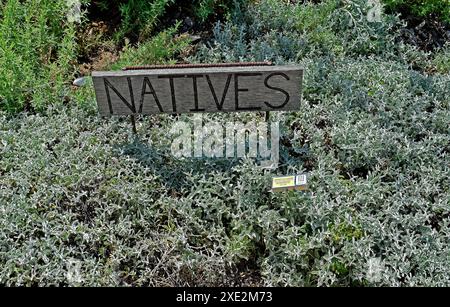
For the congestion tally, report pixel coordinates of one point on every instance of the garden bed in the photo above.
(78, 190)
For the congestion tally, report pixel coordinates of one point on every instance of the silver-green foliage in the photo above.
(378, 134)
(38, 49)
(372, 132)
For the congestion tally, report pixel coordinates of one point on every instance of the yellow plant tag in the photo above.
(283, 182)
(298, 182)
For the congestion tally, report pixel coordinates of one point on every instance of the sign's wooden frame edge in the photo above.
(209, 70)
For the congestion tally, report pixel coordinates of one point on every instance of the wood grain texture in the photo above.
(224, 89)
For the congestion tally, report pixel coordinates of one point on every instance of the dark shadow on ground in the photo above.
(172, 170)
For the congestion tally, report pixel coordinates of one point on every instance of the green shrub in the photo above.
(279, 32)
(38, 53)
(140, 16)
(160, 49)
(39, 50)
(205, 8)
(442, 60)
(420, 8)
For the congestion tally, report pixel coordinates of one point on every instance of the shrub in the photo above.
(365, 114)
(38, 53)
(279, 32)
(140, 16)
(442, 60)
(39, 50)
(205, 8)
(160, 49)
(438, 8)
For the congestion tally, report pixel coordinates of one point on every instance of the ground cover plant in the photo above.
(373, 132)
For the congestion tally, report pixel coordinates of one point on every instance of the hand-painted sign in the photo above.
(205, 89)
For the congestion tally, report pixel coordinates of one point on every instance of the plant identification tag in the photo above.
(286, 183)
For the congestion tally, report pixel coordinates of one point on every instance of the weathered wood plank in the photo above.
(224, 89)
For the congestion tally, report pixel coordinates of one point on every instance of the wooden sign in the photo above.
(205, 89)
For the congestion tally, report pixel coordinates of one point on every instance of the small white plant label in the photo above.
(300, 180)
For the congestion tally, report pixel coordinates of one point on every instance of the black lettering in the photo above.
(237, 90)
(224, 94)
(172, 89)
(266, 83)
(130, 104)
(144, 92)
(194, 84)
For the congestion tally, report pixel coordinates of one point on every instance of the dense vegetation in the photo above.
(420, 8)
(373, 132)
